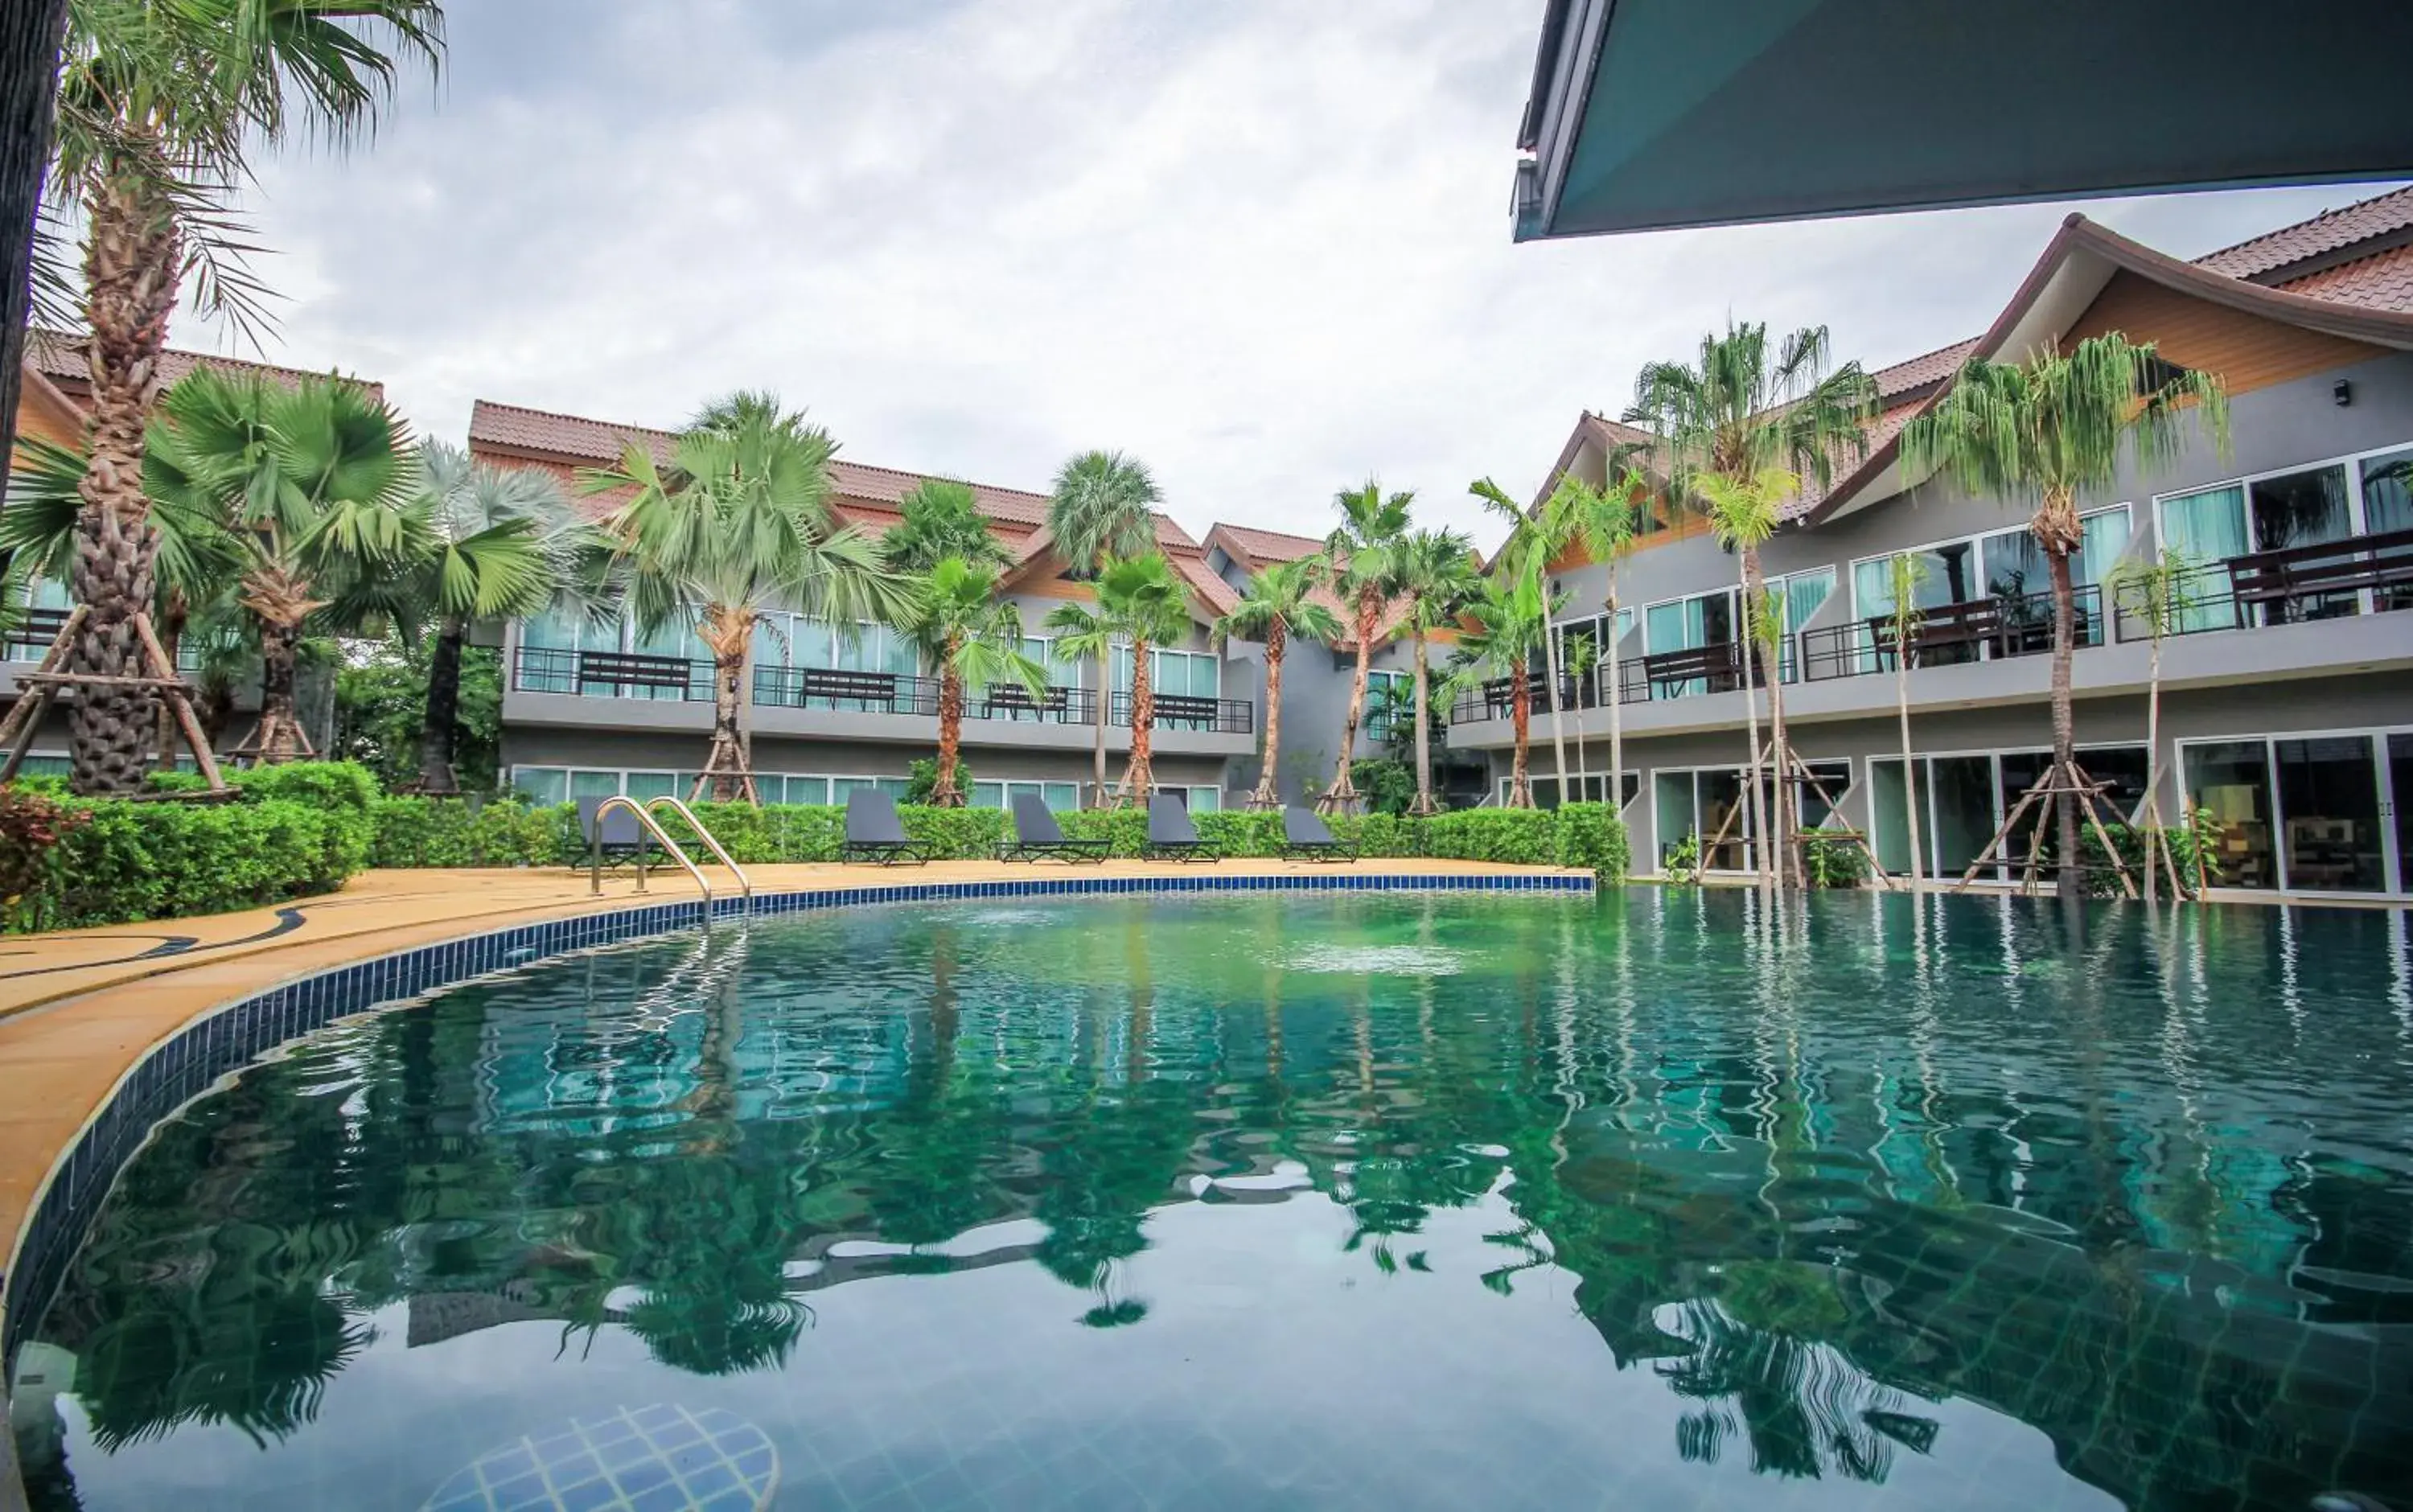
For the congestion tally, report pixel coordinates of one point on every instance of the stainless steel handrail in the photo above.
(745, 886)
(595, 849)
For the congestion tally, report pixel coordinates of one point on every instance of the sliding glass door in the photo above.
(2322, 813)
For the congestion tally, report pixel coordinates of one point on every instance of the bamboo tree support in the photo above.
(43, 684)
(1801, 774)
(256, 745)
(2059, 778)
(726, 759)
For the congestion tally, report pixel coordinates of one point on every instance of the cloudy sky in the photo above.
(1262, 244)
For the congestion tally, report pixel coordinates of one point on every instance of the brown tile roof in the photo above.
(1253, 548)
(2330, 231)
(2382, 282)
(1917, 372)
(59, 356)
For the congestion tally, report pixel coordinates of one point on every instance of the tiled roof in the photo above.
(1260, 547)
(59, 356)
(2381, 282)
(1930, 367)
(2333, 230)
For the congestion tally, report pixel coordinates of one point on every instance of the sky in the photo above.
(1262, 246)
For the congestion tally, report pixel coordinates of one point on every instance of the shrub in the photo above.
(1591, 837)
(124, 861)
(328, 784)
(1512, 836)
(449, 832)
(31, 863)
(1832, 862)
(922, 779)
(1389, 785)
(1683, 867)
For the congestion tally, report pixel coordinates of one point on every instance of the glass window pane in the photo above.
(2106, 541)
(1206, 800)
(647, 785)
(2388, 492)
(1725, 820)
(594, 784)
(1964, 811)
(2302, 509)
(2232, 780)
(1061, 796)
(545, 785)
(2329, 791)
(988, 794)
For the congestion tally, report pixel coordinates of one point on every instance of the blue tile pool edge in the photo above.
(187, 1063)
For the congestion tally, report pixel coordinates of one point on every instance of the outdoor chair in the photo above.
(1171, 835)
(1307, 837)
(620, 835)
(1037, 837)
(874, 833)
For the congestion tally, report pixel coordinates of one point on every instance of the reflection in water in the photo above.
(1843, 1192)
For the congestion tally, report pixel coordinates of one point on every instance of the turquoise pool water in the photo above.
(1652, 1201)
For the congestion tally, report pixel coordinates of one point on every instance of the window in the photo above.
(2000, 564)
(2369, 494)
(1588, 788)
(1687, 624)
(1203, 799)
(1060, 797)
(1964, 799)
(1174, 673)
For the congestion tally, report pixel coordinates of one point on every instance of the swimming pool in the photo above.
(1289, 1200)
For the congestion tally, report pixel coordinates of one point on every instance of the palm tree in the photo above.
(971, 636)
(1437, 570)
(1741, 410)
(498, 543)
(158, 108)
(738, 521)
(1535, 540)
(1275, 605)
(2047, 431)
(1905, 574)
(942, 519)
(312, 483)
(2161, 592)
(1360, 561)
(1503, 626)
(1103, 508)
(1744, 516)
(1141, 602)
(1603, 521)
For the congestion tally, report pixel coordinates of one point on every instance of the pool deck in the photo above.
(79, 1007)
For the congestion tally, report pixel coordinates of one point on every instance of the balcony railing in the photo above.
(1178, 711)
(627, 675)
(30, 641)
(1954, 634)
(2331, 580)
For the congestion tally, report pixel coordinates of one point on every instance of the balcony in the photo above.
(676, 679)
(1947, 635)
(2331, 580)
(1178, 711)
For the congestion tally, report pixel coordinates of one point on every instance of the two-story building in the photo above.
(589, 711)
(2286, 704)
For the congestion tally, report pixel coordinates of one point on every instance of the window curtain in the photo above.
(2207, 528)
(2106, 541)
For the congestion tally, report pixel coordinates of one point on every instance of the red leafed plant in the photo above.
(31, 827)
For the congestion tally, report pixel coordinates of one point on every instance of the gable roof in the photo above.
(1253, 548)
(2278, 257)
(61, 359)
(868, 495)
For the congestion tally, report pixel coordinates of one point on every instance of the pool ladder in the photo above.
(644, 817)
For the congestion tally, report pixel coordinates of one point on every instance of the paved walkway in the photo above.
(78, 1008)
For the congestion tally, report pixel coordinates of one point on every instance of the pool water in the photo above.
(1660, 1200)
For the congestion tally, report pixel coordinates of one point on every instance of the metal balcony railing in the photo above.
(1178, 711)
(1953, 634)
(629, 675)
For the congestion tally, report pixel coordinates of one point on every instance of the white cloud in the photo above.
(1263, 245)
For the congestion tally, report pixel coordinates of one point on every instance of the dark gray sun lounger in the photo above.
(1307, 837)
(620, 835)
(874, 833)
(1171, 835)
(1037, 837)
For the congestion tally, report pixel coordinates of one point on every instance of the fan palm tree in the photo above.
(1276, 604)
(158, 108)
(500, 543)
(1360, 560)
(737, 521)
(1437, 571)
(1744, 516)
(1603, 521)
(1535, 539)
(942, 519)
(1502, 631)
(2044, 432)
(1141, 602)
(312, 483)
(971, 636)
(1101, 509)
(1742, 409)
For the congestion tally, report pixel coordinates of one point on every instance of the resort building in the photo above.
(589, 712)
(2287, 689)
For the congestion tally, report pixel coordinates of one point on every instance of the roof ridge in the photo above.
(2336, 212)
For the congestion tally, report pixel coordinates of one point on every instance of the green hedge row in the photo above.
(307, 828)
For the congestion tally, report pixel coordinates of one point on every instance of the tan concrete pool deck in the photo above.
(79, 1008)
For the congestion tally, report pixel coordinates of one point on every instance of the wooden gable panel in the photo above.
(2248, 352)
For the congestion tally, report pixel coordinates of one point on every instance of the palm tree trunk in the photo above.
(1520, 704)
(1909, 771)
(728, 688)
(2057, 539)
(1749, 798)
(1343, 789)
(132, 259)
(1268, 794)
(172, 635)
(439, 729)
(951, 728)
(1099, 712)
(2151, 817)
(1424, 804)
(1139, 780)
(280, 728)
(1616, 706)
(1777, 848)
(1558, 690)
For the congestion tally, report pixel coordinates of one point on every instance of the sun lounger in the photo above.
(1037, 837)
(874, 833)
(1307, 837)
(621, 836)
(1171, 835)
